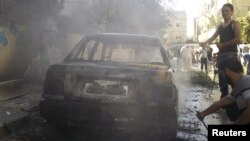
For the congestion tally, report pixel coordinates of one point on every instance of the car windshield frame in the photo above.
(136, 41)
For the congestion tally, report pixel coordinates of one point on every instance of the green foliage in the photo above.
(245, 29)
(130, 16)
(201, 79)
(237, 10)
(212, 21)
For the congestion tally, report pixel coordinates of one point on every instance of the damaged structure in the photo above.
(114, 82)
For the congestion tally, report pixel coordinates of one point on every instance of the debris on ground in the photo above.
(202, 79)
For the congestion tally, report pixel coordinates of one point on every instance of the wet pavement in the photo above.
(194, 98)
(16, 106)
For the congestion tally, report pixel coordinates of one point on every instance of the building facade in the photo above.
(177, 31)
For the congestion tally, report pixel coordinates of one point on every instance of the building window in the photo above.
(178, 25)
(248, 8)
(178, 37)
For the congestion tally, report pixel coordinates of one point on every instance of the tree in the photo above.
(86, 16)
(35, 11)
(212, 20)
(245, 28)
(244, 21)
(130, 16)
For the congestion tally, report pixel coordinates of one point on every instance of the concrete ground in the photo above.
(194, 98)
(16, 105)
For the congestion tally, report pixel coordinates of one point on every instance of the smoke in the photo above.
(182, 81)
(130, 16)
(55, 26)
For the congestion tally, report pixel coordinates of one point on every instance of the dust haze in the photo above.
(65, 22)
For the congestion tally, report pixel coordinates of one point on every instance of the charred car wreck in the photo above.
(113, 81)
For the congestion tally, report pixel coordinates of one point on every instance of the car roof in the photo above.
(121, 35)
(124, 38)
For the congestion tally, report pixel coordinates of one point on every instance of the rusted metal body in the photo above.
(108, 94)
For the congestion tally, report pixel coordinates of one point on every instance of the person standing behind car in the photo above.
(187, 56)
(209, 53)
(246, 58)
(203, 53)
(229, 33)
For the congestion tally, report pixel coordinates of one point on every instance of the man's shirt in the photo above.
(241, 92)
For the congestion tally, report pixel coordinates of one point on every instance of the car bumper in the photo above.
(108, 115)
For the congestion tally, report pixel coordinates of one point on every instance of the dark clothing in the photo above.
(246, 58)
(209, 54)
(222, 79)
(203, 62)
(223, 84)
(233, 112)
(178, 58)
(227, 34)
(240, 96)
(248, 68)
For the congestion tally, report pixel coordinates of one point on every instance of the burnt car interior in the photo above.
(106, 78)
(117, 51)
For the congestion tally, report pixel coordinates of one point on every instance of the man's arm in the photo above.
(236, 39)
(214, 107)
(245, 117)
(210, 40)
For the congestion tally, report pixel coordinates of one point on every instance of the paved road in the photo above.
(191, 99)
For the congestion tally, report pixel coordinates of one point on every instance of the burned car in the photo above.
(113, 81)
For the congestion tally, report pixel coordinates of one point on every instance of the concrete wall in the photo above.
(9, 51)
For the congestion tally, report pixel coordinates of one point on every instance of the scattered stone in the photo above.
(8, 113)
